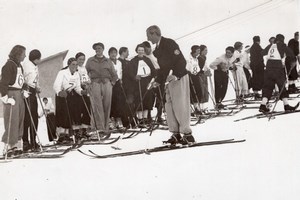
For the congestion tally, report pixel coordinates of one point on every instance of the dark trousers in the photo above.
(221, 84)
(274, 75)
(195, 89)
(51, 127)
(33, 108)
(85, 110)
(118, 104)
(257, 76)
(291, 68)
(68, 110)
(129, 115)
(160, 99)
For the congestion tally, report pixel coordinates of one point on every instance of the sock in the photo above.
(285, 101)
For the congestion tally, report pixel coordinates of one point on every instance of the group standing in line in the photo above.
(115, 90)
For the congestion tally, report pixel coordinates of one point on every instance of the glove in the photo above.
(223, 67)
(171, 78)
(208, 73)
(155, 85)
(7, 100)
(152, 84)
(234, 68)
(63, 94)
(137, 77)
(38, 90)
(26, 93)
(84, 92)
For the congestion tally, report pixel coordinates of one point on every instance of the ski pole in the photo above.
(70, 120)
(126, 99)
(212, 94)
(195, 93)
(141, 98)
(206, 88)
(32, 124)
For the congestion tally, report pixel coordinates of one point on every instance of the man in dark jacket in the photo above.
(257, 66)
(173, 74)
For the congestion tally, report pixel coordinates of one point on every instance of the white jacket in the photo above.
(66, 81)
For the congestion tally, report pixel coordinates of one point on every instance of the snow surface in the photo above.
(265, 167)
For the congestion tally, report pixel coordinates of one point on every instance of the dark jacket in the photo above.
(134, 63)
(256, 57)
(201, 62)
(127, 82)
(8, 75)
(294, 45)
(169, 57)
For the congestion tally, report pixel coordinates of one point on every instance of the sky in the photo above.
(53, 26)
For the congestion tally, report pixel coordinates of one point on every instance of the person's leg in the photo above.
(171, 119)
(107, 95)
(34, 112)
(180, 98)
(98, 121)
(269, 84)
(218, 86)
(15, 124)
(26, 126)
(86, 111)
(51, 127)
(261, 79)
(224, 85)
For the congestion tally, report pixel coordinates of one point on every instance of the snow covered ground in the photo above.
(265, 167)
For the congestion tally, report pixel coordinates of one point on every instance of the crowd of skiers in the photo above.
(116, 93)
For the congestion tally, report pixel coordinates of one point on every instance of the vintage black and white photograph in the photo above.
(149, 100)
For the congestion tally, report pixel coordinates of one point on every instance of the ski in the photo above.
(96, 142)
(137, 132)
(78, 144)
(273, 114)
(239, 110)
(160, 149)
(250, 117)
(39, 155)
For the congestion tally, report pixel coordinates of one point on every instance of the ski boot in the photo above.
(187, 139)
(292, 89)
(289, 108)
(174, 139)
(26, 146)
(257, 97)
(263, 109)
(10, 152)
(220, 106)
(35, 147)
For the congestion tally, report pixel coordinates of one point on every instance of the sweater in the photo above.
(9, 76)
(101, 70)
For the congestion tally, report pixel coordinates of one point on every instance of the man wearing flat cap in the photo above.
(103, 76)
